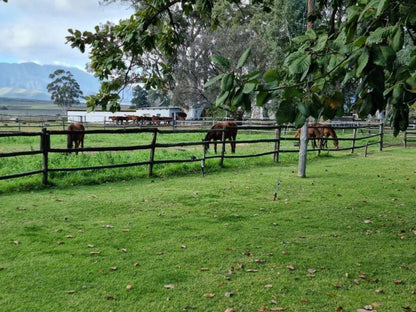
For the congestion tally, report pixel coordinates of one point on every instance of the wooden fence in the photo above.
(277, 133)
(409, 135)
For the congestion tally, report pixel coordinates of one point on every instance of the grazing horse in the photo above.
(327, 131)
(313, 133)
(230, 132)
(76, 137)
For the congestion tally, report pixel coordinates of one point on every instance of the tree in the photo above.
(354, 42)
(140, 97)
(64, 89)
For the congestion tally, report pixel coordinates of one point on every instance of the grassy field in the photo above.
(341, 239)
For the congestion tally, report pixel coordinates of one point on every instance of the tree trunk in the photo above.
(303, 143)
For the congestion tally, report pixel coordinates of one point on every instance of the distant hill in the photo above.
(29, 80)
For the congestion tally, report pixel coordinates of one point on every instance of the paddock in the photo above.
(151, 147)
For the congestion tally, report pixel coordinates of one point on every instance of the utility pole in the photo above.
(303, 140)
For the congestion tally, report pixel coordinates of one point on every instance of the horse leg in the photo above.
(215, 146)
(233, 144)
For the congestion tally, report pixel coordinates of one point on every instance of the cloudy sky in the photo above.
(35, 30)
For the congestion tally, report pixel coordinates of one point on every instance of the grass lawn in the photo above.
(341, 239)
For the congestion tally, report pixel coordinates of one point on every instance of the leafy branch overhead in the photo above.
(236, 87)
(367, 46)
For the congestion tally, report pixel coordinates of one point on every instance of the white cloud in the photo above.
(36, 30)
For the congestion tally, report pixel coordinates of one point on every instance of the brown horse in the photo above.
(230, 132)
(313, 134)
(326, 131)
(76, 138)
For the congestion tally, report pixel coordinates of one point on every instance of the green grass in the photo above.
(351, 223)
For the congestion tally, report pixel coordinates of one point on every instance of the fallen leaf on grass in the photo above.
(70, 292)
(398, 282)
(209, 295)
(60, 243)
(229, 310)
(268, 286)
(277, 309)
(90, 246)
(95, 252)
(291, 267)
(113, 268)
(203, 269)
(251, 270)
(125, 230)
(262, 309)
(128, 287)
(123, 249)
(229, 294)
(169, 286)
(69, 236)
(16, 242)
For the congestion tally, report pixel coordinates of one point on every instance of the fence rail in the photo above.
(278, 134)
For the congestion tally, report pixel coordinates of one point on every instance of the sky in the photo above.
(35, 30)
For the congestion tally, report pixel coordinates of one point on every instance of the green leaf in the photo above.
(398, 40)
(220, 60)
(237, 99)
(271, 75)
(213, 80)
(222, 98)
(362, 62)
(377, 36)
(262, 98)
(383, 56)
(285, 113)
(243, 58)
(304, 109)
(360, 42)
(227, 82)
(311, 34)
(249, 87)
(321, 43)
(382, 6)
(298, 62)
(300, 120)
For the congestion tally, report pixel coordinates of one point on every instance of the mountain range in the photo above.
(30, 80)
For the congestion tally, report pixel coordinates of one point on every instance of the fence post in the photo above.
(277, 145)
(222, 147)
(353, 139)
(152, 153)
(45, 144)
(366, 150)
(380, 148)
(405, 139)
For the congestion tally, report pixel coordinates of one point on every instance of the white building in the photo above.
(82, 115)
